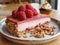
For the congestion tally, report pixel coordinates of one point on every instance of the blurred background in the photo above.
(8, 5)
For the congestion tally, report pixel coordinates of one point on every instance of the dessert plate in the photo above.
(30, 40)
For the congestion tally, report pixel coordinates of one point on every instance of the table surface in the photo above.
(3, 41)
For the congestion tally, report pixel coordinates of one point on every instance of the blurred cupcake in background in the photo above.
(45, 8)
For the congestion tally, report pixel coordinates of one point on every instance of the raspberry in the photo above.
(21, 15)
(21, 8)
(35, 13)
(14, 13)
(29, 13)
(28, 6)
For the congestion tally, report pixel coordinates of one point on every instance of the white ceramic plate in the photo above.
(30, 40)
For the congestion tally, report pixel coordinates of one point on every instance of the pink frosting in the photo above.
(27, 20)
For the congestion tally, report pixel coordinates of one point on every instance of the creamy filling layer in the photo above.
(32, 24)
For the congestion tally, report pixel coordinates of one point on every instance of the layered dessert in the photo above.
(26, 20)
(46, 8)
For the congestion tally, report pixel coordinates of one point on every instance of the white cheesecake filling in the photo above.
(32, 24)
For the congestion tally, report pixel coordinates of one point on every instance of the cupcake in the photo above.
(46, 8)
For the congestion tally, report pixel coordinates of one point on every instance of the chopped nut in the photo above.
(49, 29)
(54, 27)
(37, 28)
(52, 33)
(42, 32)
(39, 35)
(46, 32)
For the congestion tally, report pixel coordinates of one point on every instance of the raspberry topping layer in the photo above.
(24, 12)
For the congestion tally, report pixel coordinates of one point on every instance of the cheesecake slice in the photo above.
(25, 19)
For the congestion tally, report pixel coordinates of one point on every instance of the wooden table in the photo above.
(54, 14)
